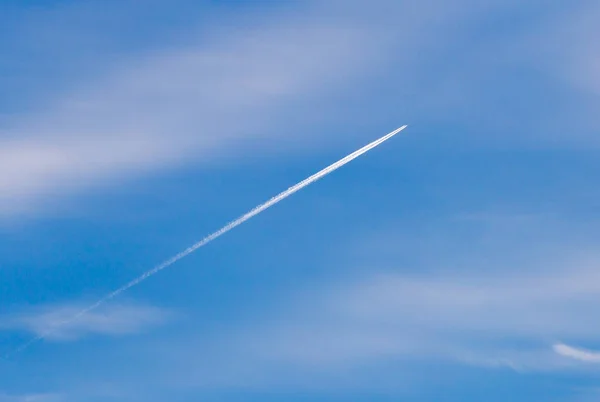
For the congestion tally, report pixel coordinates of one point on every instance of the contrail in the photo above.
(211, 237)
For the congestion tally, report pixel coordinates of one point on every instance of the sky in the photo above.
(458, 261)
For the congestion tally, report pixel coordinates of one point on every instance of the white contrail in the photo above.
(213, 236)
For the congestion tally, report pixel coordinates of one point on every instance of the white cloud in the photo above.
(505, 320)
(584, 355)
(224, 93)
(196, 102)
(112, 320)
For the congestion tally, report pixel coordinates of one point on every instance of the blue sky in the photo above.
(457, 262)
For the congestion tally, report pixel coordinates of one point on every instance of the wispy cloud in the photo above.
(584, 355)
(214, 93)
(189, 102)
(113, 320)
(503, 320)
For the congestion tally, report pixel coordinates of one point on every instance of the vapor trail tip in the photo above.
(396, 131)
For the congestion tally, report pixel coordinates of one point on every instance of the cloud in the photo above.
(214, 95)
(197, 102)
(504, 320)
(584, 355)
(113, 320)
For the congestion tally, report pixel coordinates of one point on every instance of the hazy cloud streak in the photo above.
(121, 319)
(584, 355)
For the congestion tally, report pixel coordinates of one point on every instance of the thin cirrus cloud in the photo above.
(172, 105)
(113, 320)
(499, 320)
(346, 330)
(583, 355)
(213, 95)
